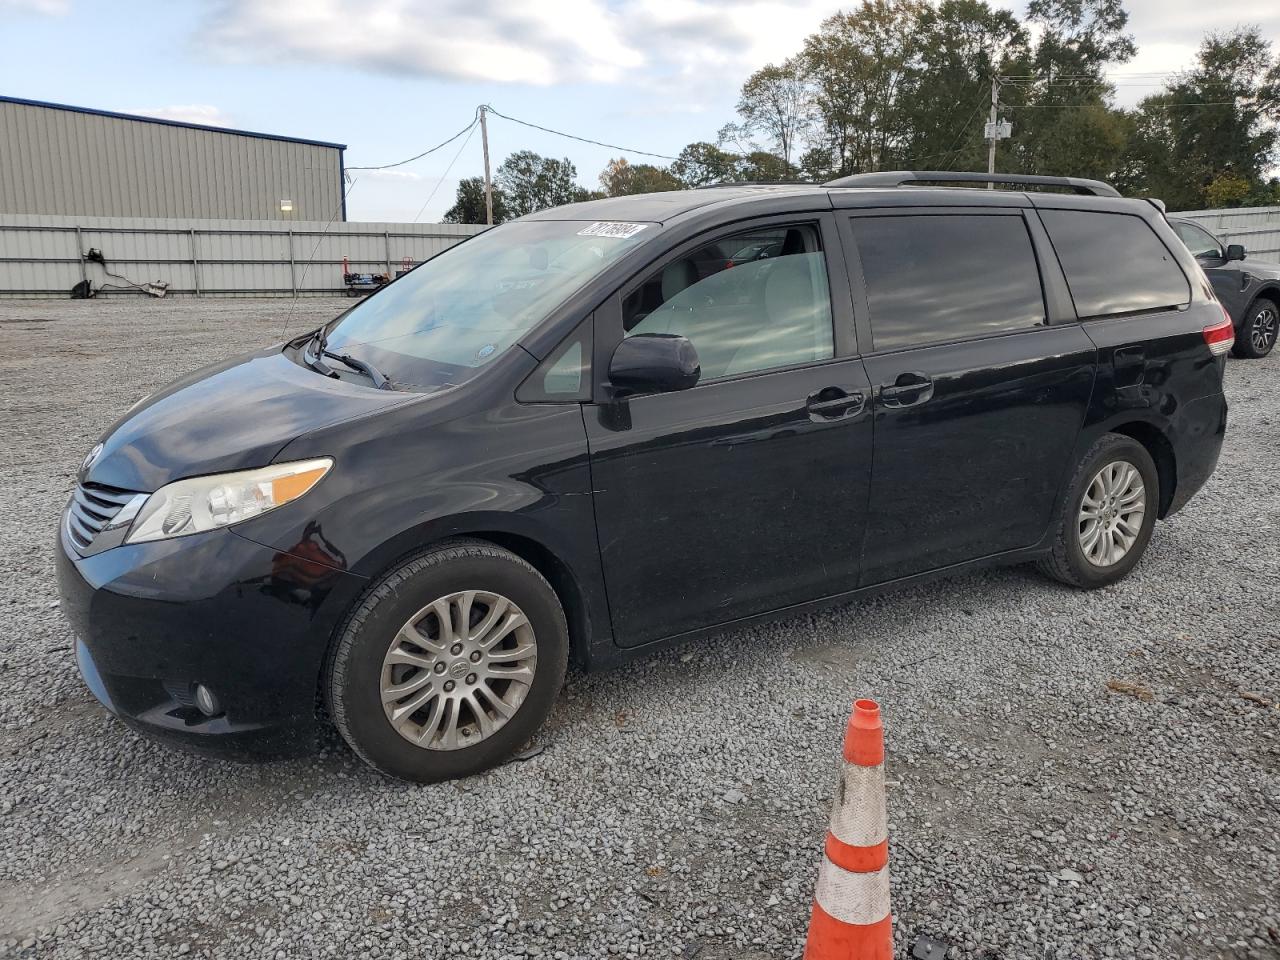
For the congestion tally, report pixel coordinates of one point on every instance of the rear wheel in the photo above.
(1258, 331)
(449, 664)
(1107, 516)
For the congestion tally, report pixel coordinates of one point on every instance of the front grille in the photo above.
(93, 506)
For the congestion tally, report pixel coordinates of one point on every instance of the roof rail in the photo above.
(758, 183)
(901, 178)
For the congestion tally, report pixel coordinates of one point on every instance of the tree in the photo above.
(1210, 137)
(943, 96)
(857, 62)
(620, 178)
(468, 205)
(761, 166)
(532, 182)
(777, 101)
(702, 163)
(1070, 127)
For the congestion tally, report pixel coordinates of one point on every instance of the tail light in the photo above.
(1221, 336)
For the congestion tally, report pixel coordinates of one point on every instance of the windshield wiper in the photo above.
(380, 379)
(320, 343)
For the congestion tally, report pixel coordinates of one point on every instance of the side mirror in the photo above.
(654, 363)
(1235, 251)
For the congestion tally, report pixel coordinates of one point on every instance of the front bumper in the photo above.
(251, 623)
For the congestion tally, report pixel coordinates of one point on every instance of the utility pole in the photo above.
(488, 182)
(993, 132)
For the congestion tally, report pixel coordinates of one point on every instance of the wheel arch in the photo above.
(526, 539)
(1161, 449)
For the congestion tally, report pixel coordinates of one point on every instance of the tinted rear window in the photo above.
(953, 277)
(1114, 263)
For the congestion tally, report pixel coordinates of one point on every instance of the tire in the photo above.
(1069, 561)
(1258, 330)
(361, 664)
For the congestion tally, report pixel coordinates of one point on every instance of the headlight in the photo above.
(206, 503)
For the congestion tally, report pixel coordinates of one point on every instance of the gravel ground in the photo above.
(679, 805)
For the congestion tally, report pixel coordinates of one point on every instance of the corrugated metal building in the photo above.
(73, 161)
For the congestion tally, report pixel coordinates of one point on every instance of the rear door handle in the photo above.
(909, 390)
(833, 403)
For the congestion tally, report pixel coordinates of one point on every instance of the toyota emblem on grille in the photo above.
(91, 458)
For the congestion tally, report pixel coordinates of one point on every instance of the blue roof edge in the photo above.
(169, 123)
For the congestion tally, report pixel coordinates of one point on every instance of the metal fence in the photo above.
(1257, 228)
(45, 256)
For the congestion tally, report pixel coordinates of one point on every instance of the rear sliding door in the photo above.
(977, 397)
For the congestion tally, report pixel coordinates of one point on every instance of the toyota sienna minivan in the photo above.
(602, 428)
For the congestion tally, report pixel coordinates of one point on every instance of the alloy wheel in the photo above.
(458, 670)
(1262, 332)
(1111, 513)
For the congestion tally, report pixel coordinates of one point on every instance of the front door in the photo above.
(747, 492)
(978, 400)
(1227, 276)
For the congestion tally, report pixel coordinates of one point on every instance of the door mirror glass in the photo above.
(654, 363)
(1235, 251)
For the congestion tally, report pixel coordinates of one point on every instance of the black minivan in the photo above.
(622, 423)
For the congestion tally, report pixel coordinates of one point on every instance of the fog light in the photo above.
(206, 702)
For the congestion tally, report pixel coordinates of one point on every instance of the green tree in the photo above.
(700, 164)
(1210, 137)
(777, 102)
(621, 178)
(944, 95)
(532, 182)
(468, 205)
(761, 166)
(1068, 126)
(857, 63)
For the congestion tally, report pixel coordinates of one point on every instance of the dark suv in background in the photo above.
(1249, 289)
(619, 424)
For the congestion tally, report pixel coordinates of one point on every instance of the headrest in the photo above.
(676, 277)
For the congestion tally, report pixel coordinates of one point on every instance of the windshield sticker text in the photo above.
(607, 228)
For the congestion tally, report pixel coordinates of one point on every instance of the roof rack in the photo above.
(901, 178)
(759, 183)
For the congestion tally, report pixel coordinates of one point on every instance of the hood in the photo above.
(234, 415)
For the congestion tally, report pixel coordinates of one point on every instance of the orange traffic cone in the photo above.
(851, 919)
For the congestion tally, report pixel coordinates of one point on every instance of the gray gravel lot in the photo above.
(679, 806)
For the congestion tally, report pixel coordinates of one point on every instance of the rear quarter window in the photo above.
(1114, 263)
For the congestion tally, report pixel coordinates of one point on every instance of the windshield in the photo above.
(442, 322)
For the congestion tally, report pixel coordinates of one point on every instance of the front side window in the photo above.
(931, 279)
(1114, 263)
(445, 320)
(751, 301)
(1200, 243)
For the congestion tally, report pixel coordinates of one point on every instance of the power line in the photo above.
(432, 194)
(1068, 106)
(561, 133)
(401, 163)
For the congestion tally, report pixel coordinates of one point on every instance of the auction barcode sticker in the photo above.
(611, 228)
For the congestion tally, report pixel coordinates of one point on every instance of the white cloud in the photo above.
(49, 8)
(633, 42)
(391, 175)
(202, 113)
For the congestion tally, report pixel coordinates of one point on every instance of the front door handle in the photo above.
(833, 403)
(908, 390)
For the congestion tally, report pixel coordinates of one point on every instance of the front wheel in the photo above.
(1258, 332)
(1107, 517)
(449, 664)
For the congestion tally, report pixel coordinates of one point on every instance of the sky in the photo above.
(391, 78)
